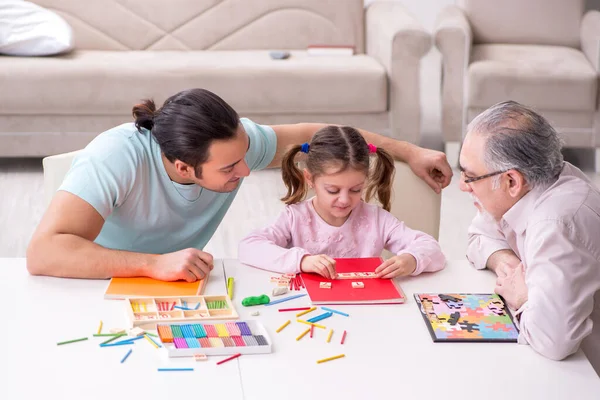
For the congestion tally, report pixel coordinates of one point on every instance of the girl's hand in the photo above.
(402, 265)
(320, 264)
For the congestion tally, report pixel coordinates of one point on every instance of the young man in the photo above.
(143, 199)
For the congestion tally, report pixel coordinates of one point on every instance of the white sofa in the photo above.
(128, 50)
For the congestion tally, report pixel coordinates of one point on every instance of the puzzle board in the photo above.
(466, 317)
(147, 312)
(223, 338)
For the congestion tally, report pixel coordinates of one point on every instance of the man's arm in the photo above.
(562, 277)
(487, 246)
(63, 246)
(429, 165)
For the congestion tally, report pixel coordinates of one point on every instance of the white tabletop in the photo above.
(388, 349)
(43, 311)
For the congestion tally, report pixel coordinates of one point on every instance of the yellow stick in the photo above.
(151, 342)
(230, 287)
(330, 358)
(306, 311)
(329, 336)
(283, 326)
(302, 334)
(310, 323)
(144, 305)
(100, 328)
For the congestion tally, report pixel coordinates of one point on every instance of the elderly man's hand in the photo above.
(511, 285)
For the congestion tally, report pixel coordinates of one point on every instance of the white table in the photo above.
(388, 349)
(43, 311)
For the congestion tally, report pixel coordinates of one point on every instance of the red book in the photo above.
(375, 290)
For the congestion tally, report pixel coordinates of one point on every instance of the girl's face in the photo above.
(337, 193)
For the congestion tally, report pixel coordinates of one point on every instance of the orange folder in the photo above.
(121, 288)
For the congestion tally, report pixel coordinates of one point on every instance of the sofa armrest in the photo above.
(590, 37)
(453, 37)
(398, 41)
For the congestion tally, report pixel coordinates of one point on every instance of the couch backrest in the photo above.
(211, 24)
(552, 22)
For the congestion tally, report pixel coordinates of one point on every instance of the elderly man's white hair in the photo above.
(519, 138)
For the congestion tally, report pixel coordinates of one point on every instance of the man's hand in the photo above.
(503, 261)
(511, 285)
(402, 265)
(188, 264)
(320, 264)
(431, 166)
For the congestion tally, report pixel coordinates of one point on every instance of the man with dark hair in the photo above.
(538, 228)
(143, 198)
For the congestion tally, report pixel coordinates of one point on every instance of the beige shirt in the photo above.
(555, 231)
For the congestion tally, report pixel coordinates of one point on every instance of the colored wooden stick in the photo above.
(100, 328)
(174, 369)
(330, 358)
(285, 299)
(283, 326)
(320, 317)
(303, 334)
(310, 323)
(126, 355)
(294, 309)
(150, 334)
(113, 338)
(311, 309)
(149, 339)
(343, 338)
(335, 311)
(71, 341)
(105, 334)
(229, 358)
(312, 329)
(230, 287)
(329, 336)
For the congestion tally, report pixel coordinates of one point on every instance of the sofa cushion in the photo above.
(107, 83)
(549, 22)
(544, 77)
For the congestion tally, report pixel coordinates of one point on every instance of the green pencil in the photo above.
(72, 341)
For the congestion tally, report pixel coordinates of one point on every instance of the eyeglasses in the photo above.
(478, 178)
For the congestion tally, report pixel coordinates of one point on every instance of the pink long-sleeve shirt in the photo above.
(555, 231)
(369, 229)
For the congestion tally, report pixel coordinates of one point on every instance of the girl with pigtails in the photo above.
(338, 222)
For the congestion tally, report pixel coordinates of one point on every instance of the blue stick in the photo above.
(320, 317)
(175, 369)
(197, 306)
(335, 311)
(126, 355)
(286, 299)
(117, 344)
(183, 308)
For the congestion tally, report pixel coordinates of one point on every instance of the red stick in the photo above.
(343, 337)
(229, 358)
(312, 328)
(294, 309)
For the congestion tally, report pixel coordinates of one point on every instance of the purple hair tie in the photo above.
(305, 147)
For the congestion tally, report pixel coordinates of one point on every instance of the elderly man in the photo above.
(538, 228)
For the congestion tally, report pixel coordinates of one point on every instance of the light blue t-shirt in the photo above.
(121, 174)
